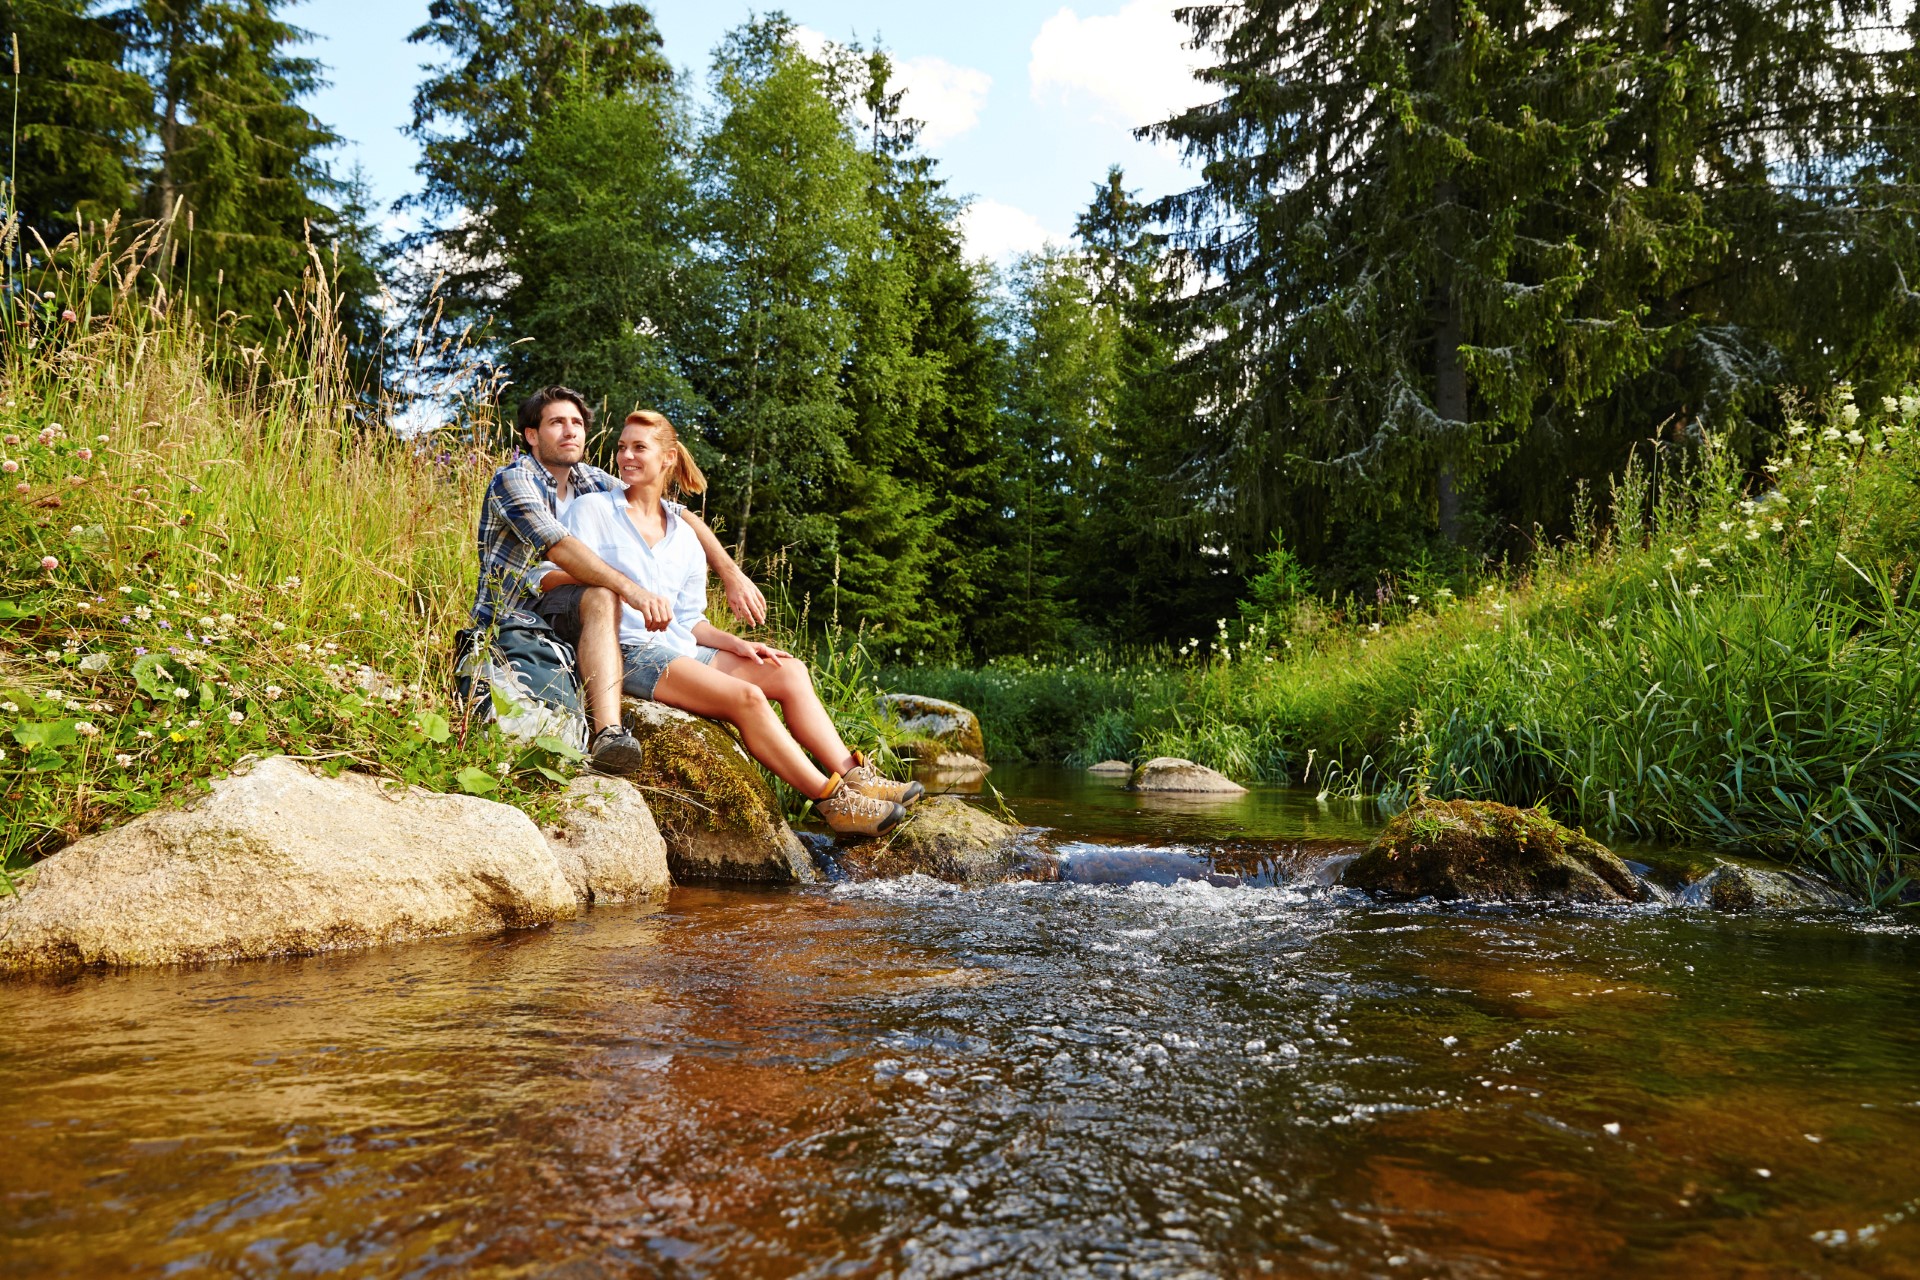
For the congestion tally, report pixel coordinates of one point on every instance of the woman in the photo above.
(697, 667)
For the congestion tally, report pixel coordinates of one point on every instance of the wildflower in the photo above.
(1849, 413)
(23, 488)
(142, 612)
(1704, 563)
(235, 717)
(86, 728)
(101, 438)
(226, 619)
(1802, 523)
(139, 651)
(75, 482)
(73, 704)
(12, 441)
(126, 591)
(11, 708)
(1413, 599)
(1796, 430)
(49, 563)
(94, 662)
(502, 768)
(165, 625)
(1726, 526)
(172, 594)
(1777, 526)
(175, 736)
(51, 655)
(143, 733)
(1753, 535)
(193, 724)
(279, 627)
(85, 455)
(1695, 589)
(303, 647)
(1607, 624)
(9, 466)
(207, 622)
(179, 693)
(1855, 438)
(67, 316)
(273, 692)
(1831, 433)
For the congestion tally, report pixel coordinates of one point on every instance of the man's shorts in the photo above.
(561, 608)
(645, 663)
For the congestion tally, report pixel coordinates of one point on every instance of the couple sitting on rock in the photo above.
(615, 570)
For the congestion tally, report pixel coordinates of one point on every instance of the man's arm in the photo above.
(745, 599)
(577, 561)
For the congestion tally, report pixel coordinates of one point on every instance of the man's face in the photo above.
(561, 438)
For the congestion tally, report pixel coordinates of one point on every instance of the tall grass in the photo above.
(209, 551)
(1726, 661)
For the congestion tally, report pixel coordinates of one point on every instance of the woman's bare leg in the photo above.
(791, 685)
(694, 686)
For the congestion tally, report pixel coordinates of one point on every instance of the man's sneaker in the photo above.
(614, 750)
(852, 813)
(867, 780)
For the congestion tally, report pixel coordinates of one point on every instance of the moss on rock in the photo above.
(1489, 852)
(948, 839)
(716, 809)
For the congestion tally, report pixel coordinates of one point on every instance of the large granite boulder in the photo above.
(952, 726)
(607, 843)
(1489, 852)
(1169, 773)
(280, 861)
(714, 806)
(948, 839)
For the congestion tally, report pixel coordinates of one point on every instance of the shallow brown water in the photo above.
(1032, 1080)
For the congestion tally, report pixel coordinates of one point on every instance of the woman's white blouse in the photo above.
(675, 567)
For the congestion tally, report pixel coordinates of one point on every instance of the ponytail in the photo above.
(685, 476)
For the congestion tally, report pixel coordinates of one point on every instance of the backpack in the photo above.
(525, 680)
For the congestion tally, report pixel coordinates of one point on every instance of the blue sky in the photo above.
(1027, 103)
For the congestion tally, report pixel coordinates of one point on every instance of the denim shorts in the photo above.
(646, 663)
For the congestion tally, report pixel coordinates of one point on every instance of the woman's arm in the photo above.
(745, 599)
(726, 642)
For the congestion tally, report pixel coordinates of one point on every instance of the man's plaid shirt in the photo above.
(517, 525)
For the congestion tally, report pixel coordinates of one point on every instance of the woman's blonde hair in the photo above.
(684, 475)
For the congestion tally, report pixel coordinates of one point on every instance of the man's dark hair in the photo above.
(536, 404)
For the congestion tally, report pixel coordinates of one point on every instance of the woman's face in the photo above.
(642, 457)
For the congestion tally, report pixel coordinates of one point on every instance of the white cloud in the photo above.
(947, 98)
(1133, 63)
(997, 231)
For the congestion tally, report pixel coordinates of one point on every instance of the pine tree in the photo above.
(509, 65)
(598, 261)
(783, 187)
(81, 114)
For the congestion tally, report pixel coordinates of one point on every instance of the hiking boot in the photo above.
(868, 781)
(852, 813)
(614, 750)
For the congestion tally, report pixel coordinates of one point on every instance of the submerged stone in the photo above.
(948, 839)
(1170, 773)
(281, 861)
(1733, 887)
(1111, 768)
(715, 808)
(1488, 852)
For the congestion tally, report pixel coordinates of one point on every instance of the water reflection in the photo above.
(902, 1078)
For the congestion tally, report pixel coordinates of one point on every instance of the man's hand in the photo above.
(743, 598)
(655, 610)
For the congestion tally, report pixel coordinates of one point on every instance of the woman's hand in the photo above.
(743, 598)
(754, 651)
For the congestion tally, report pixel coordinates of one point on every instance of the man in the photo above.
(520, 526)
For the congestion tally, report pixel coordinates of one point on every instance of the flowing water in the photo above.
(903, 1079)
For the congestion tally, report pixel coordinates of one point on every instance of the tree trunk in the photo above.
(1449, 377)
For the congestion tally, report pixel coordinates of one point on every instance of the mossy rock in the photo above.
(934, 721)
(948, 839)
(1732, 887)
(715, 807)
(1486, 852)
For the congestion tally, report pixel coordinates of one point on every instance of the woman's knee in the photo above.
(750, 700)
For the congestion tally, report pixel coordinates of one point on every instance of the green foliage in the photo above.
(1731, 665)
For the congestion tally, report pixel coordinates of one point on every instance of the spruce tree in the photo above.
(237, 165)
(81, 111)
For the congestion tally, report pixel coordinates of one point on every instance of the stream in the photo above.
(899, 1078)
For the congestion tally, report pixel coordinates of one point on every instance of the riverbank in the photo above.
(1709, 661)
(214, 553)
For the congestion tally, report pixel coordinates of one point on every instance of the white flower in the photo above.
(123, 760)
(1777, 526)
(1849, 413)
(141, 612)
(1855, 438)
(193, 724)
(1413, 599)
(94, 662)
(502, 768)
(1694, 590)
(10, 708)
(86, 728)
(279, 627)
(1831, 433)
(1796, 430)
(73, 704)
(235, 717)
(226, 619)
(207, 623)
(143, 733)
(1802, 523)
(303, 648)
(1704, 563)
(51, 655)
(1607, 624)
(173, 595)
(273, 692)
(126, 591)
(1753, 535)
(179, 693)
